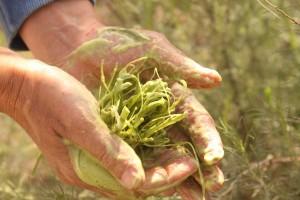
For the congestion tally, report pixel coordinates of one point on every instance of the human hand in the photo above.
(118, 46)
(52, 106)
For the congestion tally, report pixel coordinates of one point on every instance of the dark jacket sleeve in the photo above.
(12, 15)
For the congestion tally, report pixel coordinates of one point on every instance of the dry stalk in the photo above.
(263, 165)
(274, 8)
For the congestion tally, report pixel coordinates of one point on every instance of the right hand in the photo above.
(52, 106)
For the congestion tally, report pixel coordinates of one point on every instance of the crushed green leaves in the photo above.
(138, 112)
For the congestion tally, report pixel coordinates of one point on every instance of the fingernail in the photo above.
(131, 178)
(216, 76)
(215, 185)
(200, 68)
(209, 77)
(214, 156)
(214, 180)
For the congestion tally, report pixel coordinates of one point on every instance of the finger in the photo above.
(113, 46)
(174, 63)
(168, 193)
(171, 168)
(85, 61)
(114, 155)
(187, 69)
(121, 46)
(190, 190)
(57, 155)
(213, 176)
(199, 126)
(84, 128)
(177, 135)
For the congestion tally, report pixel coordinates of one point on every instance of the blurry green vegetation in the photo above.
(257, 108)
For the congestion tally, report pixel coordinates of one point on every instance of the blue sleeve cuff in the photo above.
(12, 15)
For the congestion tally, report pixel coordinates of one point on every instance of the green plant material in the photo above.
(87, 169)
(90, 171)
(138, 113)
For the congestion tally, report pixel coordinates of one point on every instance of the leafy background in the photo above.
(255, 48)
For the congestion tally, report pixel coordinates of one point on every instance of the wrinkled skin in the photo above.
(118, 46)
(32, 95)
(77, 43)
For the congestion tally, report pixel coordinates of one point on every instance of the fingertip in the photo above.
(216, 76)
(127, 167)
(200, 76)
(132, 178)
(169, 174)
(214, 179)
(182, 168)
(214, 156)
(156, 178)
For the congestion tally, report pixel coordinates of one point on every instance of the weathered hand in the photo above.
(52, 106)
(118, 46)
(62, 27)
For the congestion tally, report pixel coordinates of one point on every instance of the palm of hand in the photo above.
(118, 46)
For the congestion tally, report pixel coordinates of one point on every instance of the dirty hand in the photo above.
(74, 40)
(52, 106)
(118, 46)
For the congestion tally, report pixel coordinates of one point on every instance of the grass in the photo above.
(257, 107)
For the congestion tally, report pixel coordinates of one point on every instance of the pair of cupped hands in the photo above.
(56, 103)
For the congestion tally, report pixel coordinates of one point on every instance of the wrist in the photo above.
(11, 81)
(18, 80)
(54, 31)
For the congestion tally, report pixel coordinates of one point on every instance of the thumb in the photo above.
(112, 153)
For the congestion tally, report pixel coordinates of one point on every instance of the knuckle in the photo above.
(208, 120)
(157, 36)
